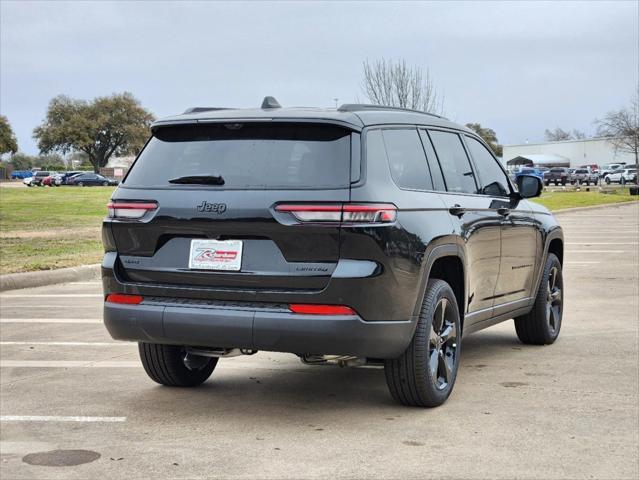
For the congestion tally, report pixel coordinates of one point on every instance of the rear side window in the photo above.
(247, 156)
(493, 179)
(456, 168)
(406, 159)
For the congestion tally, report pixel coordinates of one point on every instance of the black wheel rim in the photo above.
(442, 345)
(554, 300)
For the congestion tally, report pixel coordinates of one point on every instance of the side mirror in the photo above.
(529, 186)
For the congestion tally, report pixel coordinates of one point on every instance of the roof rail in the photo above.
(358, 107)
(204, 109)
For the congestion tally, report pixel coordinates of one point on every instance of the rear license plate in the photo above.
(215, 255)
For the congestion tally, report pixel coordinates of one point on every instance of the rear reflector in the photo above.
(124, 298)
(359, 213)
(311, 309)
(130, 209)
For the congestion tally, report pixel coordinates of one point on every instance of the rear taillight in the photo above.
(359, 213)
(314, 309)
(130, 209)
(124, 298)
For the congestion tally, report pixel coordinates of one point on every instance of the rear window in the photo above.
(247, 156)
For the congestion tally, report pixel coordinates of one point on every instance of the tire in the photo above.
(167, 365)
(607, 179)
(424, 375)
(542, 325)
(80, 184)
(547, 184)
(622, 181)
(105, 184)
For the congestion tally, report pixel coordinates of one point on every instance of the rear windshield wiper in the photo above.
(199, 180)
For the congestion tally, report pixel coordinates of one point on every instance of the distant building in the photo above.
(568, 153)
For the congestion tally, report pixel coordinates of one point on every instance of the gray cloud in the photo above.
(516, 67)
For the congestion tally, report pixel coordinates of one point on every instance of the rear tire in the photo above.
(105, 184)
(607, 179)
(542, 324)
(167, 365)
(424, 375)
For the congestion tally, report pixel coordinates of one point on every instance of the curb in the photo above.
(14, 281)
(593, 207)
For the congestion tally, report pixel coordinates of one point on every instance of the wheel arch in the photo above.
(446, 262)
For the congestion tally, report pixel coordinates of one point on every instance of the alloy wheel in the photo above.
(554, 300)
(442, 344)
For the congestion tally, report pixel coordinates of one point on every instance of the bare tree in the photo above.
(557, 135)
(622, 126)
(395, 84)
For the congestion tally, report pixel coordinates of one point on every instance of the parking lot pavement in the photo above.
(569, 410)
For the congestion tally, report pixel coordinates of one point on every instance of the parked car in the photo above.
(536, 172)
(584, 176)
(38, 177)
(21, 174)
(622, 176)
(90, 179)
(593, 167)
(336, 249)
(66, 175)
(609, 168)
(48, 181)
(556, 175)
(28, 181)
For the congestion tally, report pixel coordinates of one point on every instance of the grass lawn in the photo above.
(559, 200)
(46, 228)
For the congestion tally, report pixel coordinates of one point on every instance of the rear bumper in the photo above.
(269, 329)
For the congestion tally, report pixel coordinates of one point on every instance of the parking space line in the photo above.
(72, 344)
(67, 364)
(52, 295)
(55, 418)
(602, 243)
(586, 250)
(50, 320)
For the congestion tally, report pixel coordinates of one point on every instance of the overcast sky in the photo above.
(518, 68)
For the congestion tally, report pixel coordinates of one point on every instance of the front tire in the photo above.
(542, 324)
(172, 366)
(424, 375)
(607, 179)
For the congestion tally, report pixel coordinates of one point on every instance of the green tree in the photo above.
(115, 125)
(8, 142)
(489, 136)
(22, 161)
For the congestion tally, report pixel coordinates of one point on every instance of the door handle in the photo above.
(457, 210)
(504, 212)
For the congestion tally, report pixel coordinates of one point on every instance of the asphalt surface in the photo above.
(74, 404)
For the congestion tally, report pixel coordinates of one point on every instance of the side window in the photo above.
(492, 178)
(455, 165)
(406, 159)
(435, 170)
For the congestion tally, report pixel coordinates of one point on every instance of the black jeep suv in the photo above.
(357, 235)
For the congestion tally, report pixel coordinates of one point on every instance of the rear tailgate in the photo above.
(228, 235)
